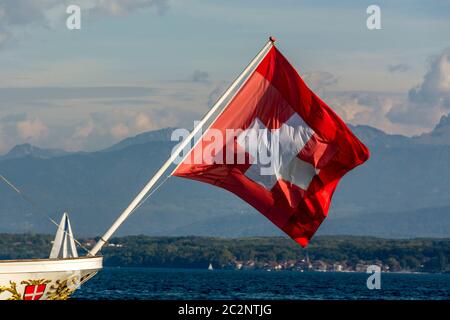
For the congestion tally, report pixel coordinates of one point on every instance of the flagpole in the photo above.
(141, 195)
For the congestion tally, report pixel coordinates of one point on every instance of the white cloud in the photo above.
(96, 117)
(415, 113)
(359, 107)
(319, 80)
(21, 14)
(19, 128)
(120, 131)
(143, 122)
(102, 129)
(368, 108)
(32, 129)
(430, 100)
(83, 131)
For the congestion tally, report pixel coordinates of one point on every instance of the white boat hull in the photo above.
(45, 279)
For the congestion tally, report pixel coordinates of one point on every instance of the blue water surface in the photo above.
(148, 283)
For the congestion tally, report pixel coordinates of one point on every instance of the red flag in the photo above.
(311, 149)
(34, 292)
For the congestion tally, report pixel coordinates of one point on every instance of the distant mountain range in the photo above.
(146, 137)
(27, 150)
(439, 135)
(402, 191)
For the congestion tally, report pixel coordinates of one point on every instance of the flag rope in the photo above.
(150, 193)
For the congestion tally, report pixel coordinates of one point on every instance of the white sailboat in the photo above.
(210, 267)
(57, 277)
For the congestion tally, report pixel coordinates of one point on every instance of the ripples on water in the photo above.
(146, 283)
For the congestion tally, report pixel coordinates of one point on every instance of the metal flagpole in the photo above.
(124, 215)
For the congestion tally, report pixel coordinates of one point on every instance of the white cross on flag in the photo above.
(34, 292)
(310, 149)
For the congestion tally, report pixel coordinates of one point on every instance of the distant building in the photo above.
(114, 245)
(337, 267)
(319, 265)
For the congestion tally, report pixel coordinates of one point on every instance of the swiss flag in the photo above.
(316, 148)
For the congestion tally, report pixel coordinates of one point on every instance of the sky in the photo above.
(142, 65)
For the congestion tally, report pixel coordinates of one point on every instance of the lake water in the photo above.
(147, 283)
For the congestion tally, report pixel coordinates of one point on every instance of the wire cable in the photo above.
(39, 209)
(150, 193)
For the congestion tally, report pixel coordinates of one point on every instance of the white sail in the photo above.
(64, 243)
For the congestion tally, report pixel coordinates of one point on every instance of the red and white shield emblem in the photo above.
(34, 292)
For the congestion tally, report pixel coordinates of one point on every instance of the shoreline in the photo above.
(272, 271)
